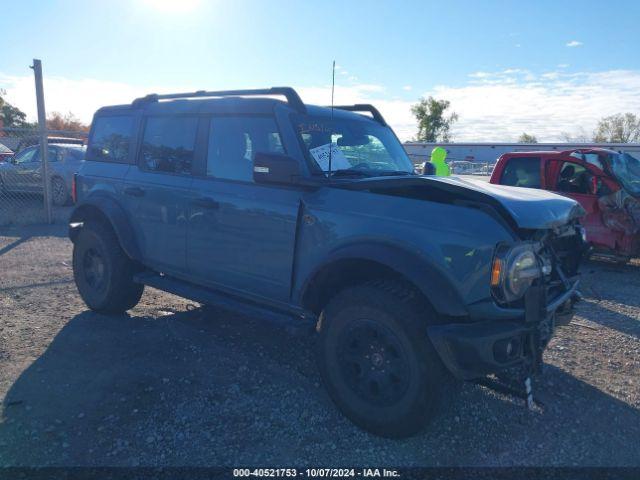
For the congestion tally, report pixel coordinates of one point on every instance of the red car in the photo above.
(606, 183)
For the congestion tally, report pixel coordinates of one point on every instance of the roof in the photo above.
(73, 146)
(513, 144)
(240, 102)
(550, 153)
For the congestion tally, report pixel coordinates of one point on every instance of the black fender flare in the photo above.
(107, 208)
(418, 269)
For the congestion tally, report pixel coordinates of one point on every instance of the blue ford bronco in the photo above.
(315, 213)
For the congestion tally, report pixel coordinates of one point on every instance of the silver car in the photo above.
(22, 173)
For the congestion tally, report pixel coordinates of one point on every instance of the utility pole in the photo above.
(42, 130)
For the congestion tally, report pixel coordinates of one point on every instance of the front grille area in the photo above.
(561, 253)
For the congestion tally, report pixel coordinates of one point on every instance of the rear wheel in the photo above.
(103, 272)
(376, 361)
(59, 192)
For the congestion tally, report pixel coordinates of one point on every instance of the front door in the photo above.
(576, 181)
(19, 174)
(241, 235)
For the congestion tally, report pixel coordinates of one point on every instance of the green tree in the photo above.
(11, 116)
(526, 138)
(618, 128)
(433, 124)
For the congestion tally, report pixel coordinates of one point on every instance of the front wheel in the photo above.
(103, 272)
(376, 360)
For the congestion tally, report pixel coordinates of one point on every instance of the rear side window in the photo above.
(111, 139)
(234, 141)
(168, 144)
(522, 172)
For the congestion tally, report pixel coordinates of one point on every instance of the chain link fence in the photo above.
(22, 174)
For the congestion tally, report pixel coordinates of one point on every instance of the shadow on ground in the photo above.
(204, 388)
(24, 233)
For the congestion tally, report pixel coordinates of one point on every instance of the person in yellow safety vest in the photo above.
(438, 157)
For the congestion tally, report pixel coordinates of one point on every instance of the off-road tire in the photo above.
(401, 316)
(115, 291)
(59, 192)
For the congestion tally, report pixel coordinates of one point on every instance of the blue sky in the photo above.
(483, 56)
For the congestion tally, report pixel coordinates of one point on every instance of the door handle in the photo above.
(206, 202)
(134, 191)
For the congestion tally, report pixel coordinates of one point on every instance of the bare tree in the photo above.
(580, 136)
(618, 128)
(57, 121)
(526, 138)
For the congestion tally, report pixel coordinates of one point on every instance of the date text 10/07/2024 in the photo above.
(317, 472)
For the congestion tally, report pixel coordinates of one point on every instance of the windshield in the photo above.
(627, 170)
(354, 146)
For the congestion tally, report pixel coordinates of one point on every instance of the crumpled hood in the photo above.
(528, 208)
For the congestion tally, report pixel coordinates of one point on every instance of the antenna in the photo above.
(333, 85)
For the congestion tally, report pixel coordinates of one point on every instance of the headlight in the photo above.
(513, 271)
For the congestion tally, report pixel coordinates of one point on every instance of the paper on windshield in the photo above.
(321, 156)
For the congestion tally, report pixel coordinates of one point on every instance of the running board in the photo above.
(207, 296)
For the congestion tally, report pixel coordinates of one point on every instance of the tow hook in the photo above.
(512, 388)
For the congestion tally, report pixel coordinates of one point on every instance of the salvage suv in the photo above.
(283, 209)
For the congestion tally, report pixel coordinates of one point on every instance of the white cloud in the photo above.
(82, 96)
(407, 88)
(492, 106)
(574, 43)
(501, 107)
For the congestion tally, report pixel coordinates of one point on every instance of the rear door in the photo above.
(158, 190)
(34, 173)
(241, 234)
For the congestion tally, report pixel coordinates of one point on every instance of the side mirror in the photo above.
(594, 185)
(275, 168)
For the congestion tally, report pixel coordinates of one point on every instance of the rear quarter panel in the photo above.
(101, 176)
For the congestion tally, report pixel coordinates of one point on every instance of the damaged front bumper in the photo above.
(472, 350)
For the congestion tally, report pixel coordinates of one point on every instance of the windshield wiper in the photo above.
(348, 172)
(392, 173)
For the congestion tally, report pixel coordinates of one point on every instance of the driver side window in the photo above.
(574, 178)
(233, 143)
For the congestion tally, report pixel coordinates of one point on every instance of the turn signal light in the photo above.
(496, 272)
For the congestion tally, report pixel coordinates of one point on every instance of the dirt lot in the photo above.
(176, 384)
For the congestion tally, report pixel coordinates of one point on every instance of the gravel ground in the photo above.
(176, 384)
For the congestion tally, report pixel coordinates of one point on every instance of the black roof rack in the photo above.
(289, 93)
(364, 107)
